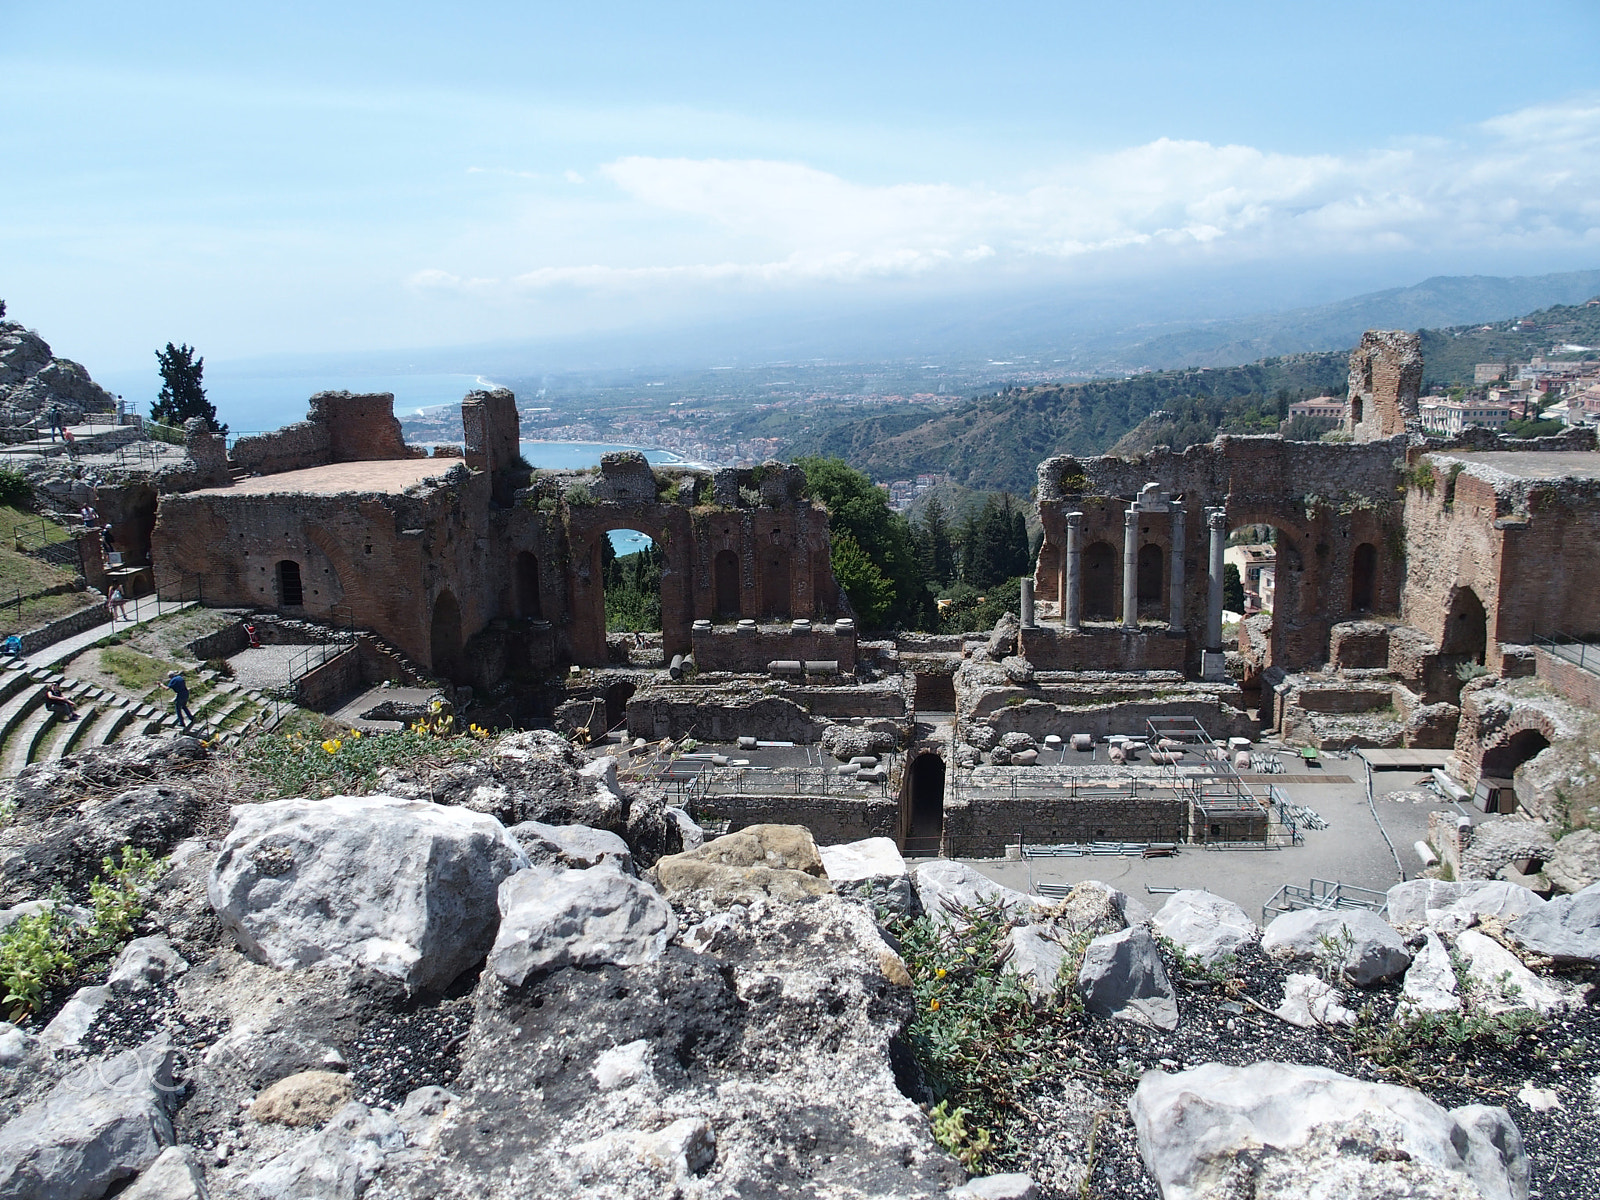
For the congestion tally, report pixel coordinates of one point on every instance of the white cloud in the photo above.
(1529, 178)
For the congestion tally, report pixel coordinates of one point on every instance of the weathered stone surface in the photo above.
(306, 1098)
(1012, 1186)
(780, 861)
(1095, 907)
(1575, 864)
(1430, 983)
(175, 1175)
(1497, 898)
(402, 887)
(845, 742)
(335, 1164)
(1411, 902)
(67, 1027)
(575, 846)
(690, 835)
(1310, 1002)
(1502, 840)
(873, 870)
(1276, 1131)
(1036, 958)
(105, 1122)
(1365, 948)
(145, 963)
(944, 885)
(552, 918)
(1122, 977)
(1205, 926)
(1499, 980)
(1567, 928)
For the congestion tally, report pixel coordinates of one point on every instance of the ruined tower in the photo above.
(1385, 379)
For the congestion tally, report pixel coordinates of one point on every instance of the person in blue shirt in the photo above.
(180, 703)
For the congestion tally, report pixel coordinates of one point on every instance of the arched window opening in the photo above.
(927, 806)
(291, 592)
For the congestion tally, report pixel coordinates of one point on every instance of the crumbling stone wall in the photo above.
(339, 427)
(980, 824)
(1103, 649)
(750, 650)
(1385, 380)
(1326, 500)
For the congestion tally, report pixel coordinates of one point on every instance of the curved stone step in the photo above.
(15, 710)
(75, 735)
(24, 745)
(118, 718)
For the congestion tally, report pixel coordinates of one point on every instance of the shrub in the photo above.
(579, 496)
(15, 490)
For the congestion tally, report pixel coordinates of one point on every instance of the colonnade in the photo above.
(1071, 584)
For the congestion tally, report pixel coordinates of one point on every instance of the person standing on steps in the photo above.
(180, 701)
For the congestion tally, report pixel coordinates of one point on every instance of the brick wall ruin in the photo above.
(1385, 381)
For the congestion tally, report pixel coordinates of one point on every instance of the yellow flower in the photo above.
(354, 734)
(332, 745)
(934, 1005)
(940, 973)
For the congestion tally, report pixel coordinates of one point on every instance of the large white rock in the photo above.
(175, 1175)
(1036, 958)
(1410, 902)
(943, 883)
(1310, 1003)
(1365, 948)
(576, 846)
(1451, 907)
(870, 858)
(336, 1163)
(403, 887)
(1278, 1131)
(67, 1027)
(104, 1123)
(1122, 977)
(1430, 984)
(552, 918)
(1500, 982)
(1567, 928)
(1206, 926)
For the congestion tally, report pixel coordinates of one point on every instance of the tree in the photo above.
(935, 551)
(183, 395)
(871, 594)
(857, 508)
(1301, 428)
(1232, 589)
(2, 308)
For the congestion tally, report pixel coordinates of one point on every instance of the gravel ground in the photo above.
(265, 668)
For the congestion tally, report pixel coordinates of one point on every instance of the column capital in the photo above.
(1130, 518)
(1217, 518)
(1074, 518)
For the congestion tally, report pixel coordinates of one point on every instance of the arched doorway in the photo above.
(1466, 626)
(444, 636)
(617, 697)
(1502, 761)
(775, 583)
(1152, 564)
(1363, 577)
(527, 586)
(291, 592)
(1100, 590)
(926, 829)
(726, 569)
(631, 566)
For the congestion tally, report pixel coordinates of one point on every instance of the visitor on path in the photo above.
(90, 517)
(250, 632)
(117, 605)
(71, 441)
(56, 701)
(109, 542)
(180, 699)
(54, 417)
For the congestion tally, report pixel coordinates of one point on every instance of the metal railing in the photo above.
(342, 624)
(1324, 894)
(1570, 649)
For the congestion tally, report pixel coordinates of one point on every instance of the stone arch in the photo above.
(291, 584)
(444, 636)
(617, 697)
(1363, 577)
(1511, 750)
(1102, 587)
(526, 571)
(729, 593)
(775, 582)
(1152, 572)
(925, 824)
(1466, 626)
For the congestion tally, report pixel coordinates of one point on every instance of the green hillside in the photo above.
(998, 441)
(1449, 355)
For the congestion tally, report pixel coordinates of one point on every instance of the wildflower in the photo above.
(332, 745)
(939, 973)
(933, 1005)
(355, 734)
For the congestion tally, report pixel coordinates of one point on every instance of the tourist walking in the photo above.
(116, 604)
(90, 517)
(180, 700)
(54, 417)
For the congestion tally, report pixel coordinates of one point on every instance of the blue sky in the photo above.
(264, 179)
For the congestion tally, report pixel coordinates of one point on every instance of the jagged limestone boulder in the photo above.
(777, 861)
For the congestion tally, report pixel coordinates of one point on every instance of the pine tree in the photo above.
(183, 394)
(934, 548)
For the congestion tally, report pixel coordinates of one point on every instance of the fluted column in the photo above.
(1072, 575)
(1175, 575)
(1217, 519)
(1130, 569)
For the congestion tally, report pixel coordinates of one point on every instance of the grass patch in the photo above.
(307, 756)
(136, 673)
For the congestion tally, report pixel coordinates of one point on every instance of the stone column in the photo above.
(1130, 569)
(1175, 575)
(1217, 519)
(1072, 576)
(1027, 603)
